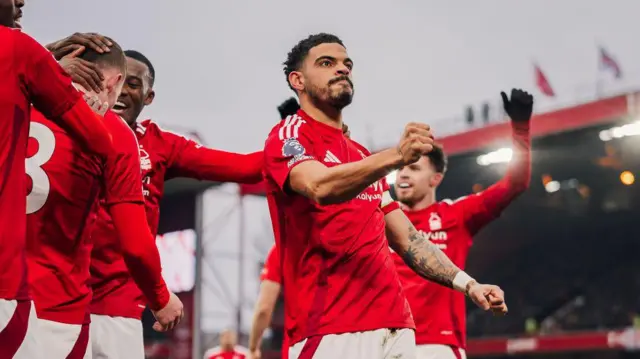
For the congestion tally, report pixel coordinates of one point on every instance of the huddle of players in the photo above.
(86, 245)
(333, 221)
(341, 282)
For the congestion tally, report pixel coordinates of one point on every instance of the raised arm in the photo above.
(428, 261)
(479, 209)
(330, 185)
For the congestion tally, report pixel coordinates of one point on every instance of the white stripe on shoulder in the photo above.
(290, 127)
(140, 128)
(450, 201)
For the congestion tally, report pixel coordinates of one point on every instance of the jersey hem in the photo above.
(131, 314)
(340, 329)
(427, 339)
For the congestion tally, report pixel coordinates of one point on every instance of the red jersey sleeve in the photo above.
(271, 270)
(123, 179)
(479, 209)
(52, 93)
(47, 84)
(288, 145)
(190, 159)
(387, 205)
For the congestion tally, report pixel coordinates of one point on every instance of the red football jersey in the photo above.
(163, 155)
(61, 207)
(439, 312)
(338, 272)
(29, 75)
(217, 353)
(271, 270)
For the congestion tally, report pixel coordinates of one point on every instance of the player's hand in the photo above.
(417, 140)
(488, 297)
(169, 316)
(96, 105)
(71, 43)
(255, 354)
(82, 72)
(345, 130)
(519, 107)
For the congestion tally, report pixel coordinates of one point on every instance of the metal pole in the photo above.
(196, 351)
(241, 252)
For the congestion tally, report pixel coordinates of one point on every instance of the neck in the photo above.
(426, 201)
(321, 112)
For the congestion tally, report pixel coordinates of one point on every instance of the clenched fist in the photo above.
(169, 316)
(487, 297)
(416, 141)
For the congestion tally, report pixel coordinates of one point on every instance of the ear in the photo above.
(436, 179)
(296, 80)
(149, 98)
(112, 82)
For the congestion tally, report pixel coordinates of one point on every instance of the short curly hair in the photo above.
(299, 53)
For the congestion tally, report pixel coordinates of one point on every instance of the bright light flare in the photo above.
(502, 155)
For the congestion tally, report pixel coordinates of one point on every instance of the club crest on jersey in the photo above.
(292, 148)
(145, 160)
(435, 223)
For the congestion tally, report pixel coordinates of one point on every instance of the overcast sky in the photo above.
(218, 62)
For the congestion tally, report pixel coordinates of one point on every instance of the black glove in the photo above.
(289, 107)
(519, 107)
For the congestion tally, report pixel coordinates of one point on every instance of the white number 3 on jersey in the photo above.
(46, 145)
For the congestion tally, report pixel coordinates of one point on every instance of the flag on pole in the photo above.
(608, 63)
(541, 81)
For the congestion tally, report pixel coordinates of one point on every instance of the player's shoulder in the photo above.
(27, 45)
(39, 117)
(122, 134)
(116, 124)
(363, 150)
(448, 202)
(291, 127)
(146, 126)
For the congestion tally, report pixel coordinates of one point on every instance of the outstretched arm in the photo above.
(428, 261)
(421, 255)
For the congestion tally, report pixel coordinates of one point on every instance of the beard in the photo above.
(337, 97)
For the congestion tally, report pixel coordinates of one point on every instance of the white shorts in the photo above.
(116, 337)
(18, 330)
(439, 351)
(375, 344)
(64, 341)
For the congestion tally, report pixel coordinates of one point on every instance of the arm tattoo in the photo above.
(426, 259)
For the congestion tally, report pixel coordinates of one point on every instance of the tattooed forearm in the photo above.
(426, 259)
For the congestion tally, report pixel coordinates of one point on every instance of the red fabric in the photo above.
(335, 259)
(62, 204)
(310, 347)
(80, 347)
(13, 334)
(52, 93)
(271, 270)
(140, 252)
(163, 155)
(29, 74)
(543, 84)
(220, 354)
(439, 312)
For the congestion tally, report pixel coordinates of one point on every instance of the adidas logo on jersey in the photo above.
(331, 158)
